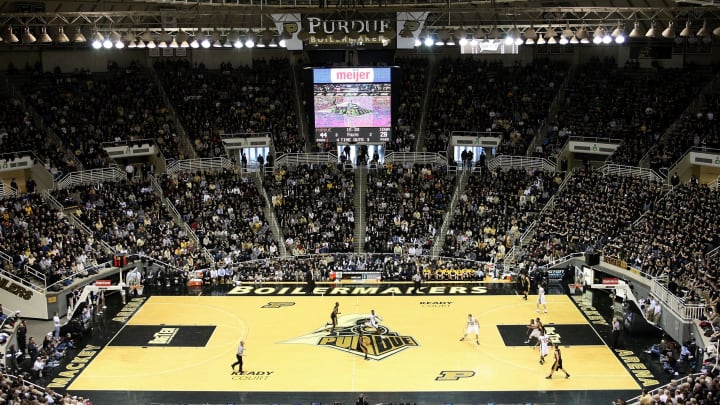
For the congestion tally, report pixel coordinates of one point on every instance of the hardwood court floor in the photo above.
(181, 347)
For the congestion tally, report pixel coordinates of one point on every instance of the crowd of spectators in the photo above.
(86, 110)
(314, 205)
(668, 242)
(632, 105)
(390, 267)
(18, 133)
(406, 205)
(413, 84)
(480, 96)
(131, 219)
(494, 209)
(225, 210)
(589, 212)
(18, 390)
(233, 100)
(698, 129)
(696, 389)
(37, 235)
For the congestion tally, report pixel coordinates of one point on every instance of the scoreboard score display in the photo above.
(352, 104)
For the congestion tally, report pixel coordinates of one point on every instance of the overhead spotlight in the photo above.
(428, 41)
(28, 37)
(237, 40)
(653, 32)
(550, 34)
(598, 35)
(463, 41)
(511, 35)
(115, 40)
(669, 32)
(61, 36)
(97, 40)
(563, 40)
(567, 32)
(10, 36)
(128, 36)
(541, 40)
(637, 31)
(479, 34)
(217, 40)
(132, 44)
(78, 37)
(417, 42)
(250, 39)
(581, 35)
(174, 43)
(141, 43)
(494, 34)
(267, 35)
(151, 44)
(618, 34)
(716, 32)
(530, 35)
(164, 39)
(182, 36)
(704, 31)
(205, 43)
(44, 37)
(687, 31)
(443, 35)
(459, 34)
(227, 43)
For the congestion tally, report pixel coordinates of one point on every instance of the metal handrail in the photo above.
(6, 191)
(416, 158)
(524, 162)
(88, 177)
(634, 171)
(686, 311)
(296, 159)
(204, 164)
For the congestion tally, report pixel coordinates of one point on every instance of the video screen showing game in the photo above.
(352, 104)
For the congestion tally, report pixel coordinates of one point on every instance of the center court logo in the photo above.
(381, 343)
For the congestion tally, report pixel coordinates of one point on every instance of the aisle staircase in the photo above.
(361, 175)
(462, 180)
(269, 212)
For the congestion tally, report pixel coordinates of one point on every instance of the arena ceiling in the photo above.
(133, 17)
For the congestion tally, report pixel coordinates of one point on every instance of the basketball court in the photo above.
(179, 349)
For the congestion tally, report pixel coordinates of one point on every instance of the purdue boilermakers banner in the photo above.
(404, 26)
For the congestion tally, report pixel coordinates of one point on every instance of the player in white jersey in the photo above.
(373, 321)
(544, 348)
(541, 299)
(472, 327)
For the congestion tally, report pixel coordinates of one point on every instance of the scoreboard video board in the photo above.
(352, 104)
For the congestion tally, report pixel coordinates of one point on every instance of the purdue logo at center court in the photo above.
(381, 342)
